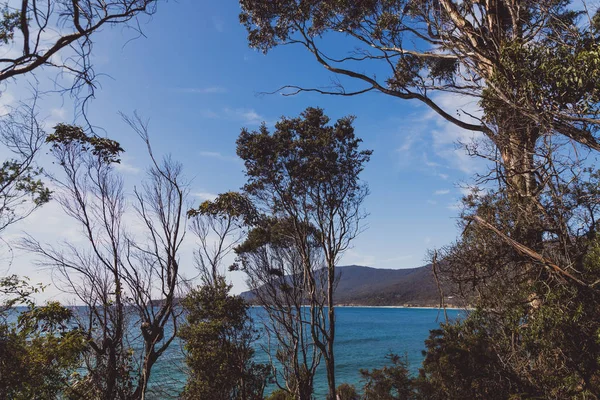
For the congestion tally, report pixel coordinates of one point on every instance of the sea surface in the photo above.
(364, 336)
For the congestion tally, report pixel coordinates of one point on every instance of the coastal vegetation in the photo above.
(526, 261)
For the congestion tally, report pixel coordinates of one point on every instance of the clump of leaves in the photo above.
(347, 392)
(392, 382)
(218, 337)
(70, 135)
(39, 352)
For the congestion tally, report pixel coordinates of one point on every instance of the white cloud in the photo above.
(58, 113)
(435, 143)
(219, 156)
(205, 196)
(456, 206)
(246, 116)
(407, 145)
(6, 101)
(449, 139)
(127, 168)
(441, 192)
(209, 114)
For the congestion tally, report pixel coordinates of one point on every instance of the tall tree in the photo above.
(219, 332)
(533, 67)
(218, 336)
(124, 280)
(275, 274)
(307, 172)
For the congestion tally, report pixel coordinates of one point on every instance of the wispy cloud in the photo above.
(205, 196)
(431, 141)
(247, 116)
(219, 156)
(441, 192)
(126, 166)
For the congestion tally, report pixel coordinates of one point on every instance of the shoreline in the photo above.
(407, 307)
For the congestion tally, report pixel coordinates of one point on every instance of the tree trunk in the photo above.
(518, 156)
(518, 151)
(330, 359)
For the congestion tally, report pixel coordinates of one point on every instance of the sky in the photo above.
(198, 83)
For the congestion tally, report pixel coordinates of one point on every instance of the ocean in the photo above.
(364, 336)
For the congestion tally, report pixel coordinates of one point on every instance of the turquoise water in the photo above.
(364, 336)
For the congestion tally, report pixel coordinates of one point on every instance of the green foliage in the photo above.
(9, 21)
(230, 204)
(105, 149)
(347, 392)
(391, 382)
(41, 351)
(535, 331)
(280, 394)
(21, 189)
(305, 176)
(218, 337)
(18, 185)
(304, 154)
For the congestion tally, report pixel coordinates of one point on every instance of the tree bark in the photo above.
(330, 359)
(517, 149)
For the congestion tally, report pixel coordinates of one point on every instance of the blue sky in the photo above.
(197, 81)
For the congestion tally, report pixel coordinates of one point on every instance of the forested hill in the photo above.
(369, 286)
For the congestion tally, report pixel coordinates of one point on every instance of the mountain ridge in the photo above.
(368, 286)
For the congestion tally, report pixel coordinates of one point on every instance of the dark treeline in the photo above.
(527, 259)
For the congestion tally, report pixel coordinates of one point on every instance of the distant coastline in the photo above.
(412, 307)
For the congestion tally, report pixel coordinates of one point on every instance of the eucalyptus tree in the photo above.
(532, 66)
(218, 336)
(219, 332)
(124, 280)
(275, 276)
(57, 36)
(307, 172)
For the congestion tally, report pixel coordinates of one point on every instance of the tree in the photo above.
(528, 66)
(218, 337)
(307, 173)
(275, 275)
(531, 65)
(56, 34)
(388, 383)
(122, 280)
(224, 220)
(151, 271)
(21, 189)
(40, 349)
(39, 31)
(527, 337)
